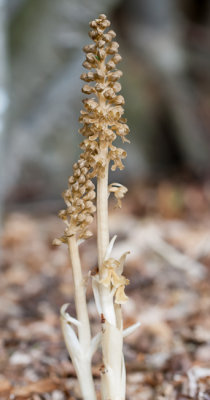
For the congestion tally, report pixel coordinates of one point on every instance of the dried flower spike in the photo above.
(102, 117)
(103, 122)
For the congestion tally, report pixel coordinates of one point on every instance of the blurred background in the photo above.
(166, 83)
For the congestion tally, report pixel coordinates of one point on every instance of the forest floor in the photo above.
(167, 231)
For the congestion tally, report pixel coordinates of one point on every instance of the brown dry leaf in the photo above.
(5, 387)
(39, 387)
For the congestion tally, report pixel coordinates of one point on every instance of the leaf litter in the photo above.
(168, 357)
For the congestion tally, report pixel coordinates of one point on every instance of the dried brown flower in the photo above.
(113, 278)
(119, 192)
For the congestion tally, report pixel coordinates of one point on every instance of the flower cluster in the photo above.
(102, 115)
(79, 197)
(102, 123)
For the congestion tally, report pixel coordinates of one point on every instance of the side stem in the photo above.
(84, 369)
(102, 216)
(80, 297)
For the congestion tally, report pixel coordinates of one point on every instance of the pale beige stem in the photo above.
(102, 195)
(103, 241)
(82, 363)
(111, 336)
(112, 384)
(80, 297)
(102, 216)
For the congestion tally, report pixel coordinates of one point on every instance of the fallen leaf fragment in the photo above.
(39, 387)
(5, 387)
